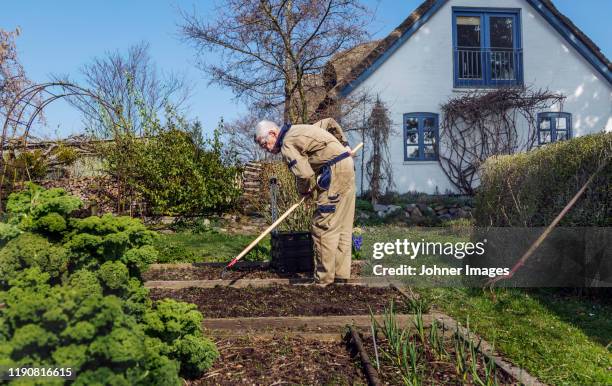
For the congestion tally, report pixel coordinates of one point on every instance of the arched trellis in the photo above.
(28, 105)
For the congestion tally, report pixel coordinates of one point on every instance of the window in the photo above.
(420, 137)
(554, 126)
(487, 50)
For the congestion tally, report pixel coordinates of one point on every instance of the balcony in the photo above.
(489, 67)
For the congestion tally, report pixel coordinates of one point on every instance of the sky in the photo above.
(59, 37)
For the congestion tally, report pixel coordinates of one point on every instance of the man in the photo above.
(319, 157)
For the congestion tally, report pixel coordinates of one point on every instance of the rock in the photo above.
(416, 213)
(422, 207)
(445, 216)
(166, 220)
(380, 208)
(453, 210)
(439, 208)
(393, 208)
(206, 222)
(442, 211)
(407, 214)
(411, 206)
(363, 215)
(462, 213)
(381, 213)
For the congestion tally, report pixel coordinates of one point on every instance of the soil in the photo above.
(281, 360)
(277, 300)
(213, 272)
(434, 370)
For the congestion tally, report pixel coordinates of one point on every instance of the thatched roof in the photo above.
(341, 64)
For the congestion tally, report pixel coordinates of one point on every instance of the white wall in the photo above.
(418, 77)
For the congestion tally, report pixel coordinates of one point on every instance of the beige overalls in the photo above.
(306, 148)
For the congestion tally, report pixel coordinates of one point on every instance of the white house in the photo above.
(446, 47)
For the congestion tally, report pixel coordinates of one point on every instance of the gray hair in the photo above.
(263, 128)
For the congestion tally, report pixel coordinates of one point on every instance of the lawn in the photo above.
(209, 246)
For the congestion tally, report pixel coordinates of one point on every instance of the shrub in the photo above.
(41, 210)
(30, 250)
(364, 205)
(78, 300)
(531, 189)
(7, 233)
(94, 240)
(181, 174)
(178, 325)
(76, 325)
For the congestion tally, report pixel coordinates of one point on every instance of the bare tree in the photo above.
(12, 75)
(478, 125)
(129, 81)
(273, 51)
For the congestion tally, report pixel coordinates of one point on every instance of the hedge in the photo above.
(530, 189)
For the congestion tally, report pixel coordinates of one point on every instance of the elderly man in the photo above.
(319, 157)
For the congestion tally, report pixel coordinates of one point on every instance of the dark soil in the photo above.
(277, 300)
(434, 370)
(213, 272)
(251, 361)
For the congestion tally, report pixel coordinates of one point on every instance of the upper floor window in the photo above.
(554, 126)
(421, 137)
(487, 49)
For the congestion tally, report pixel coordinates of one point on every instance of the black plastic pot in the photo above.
(292, 252)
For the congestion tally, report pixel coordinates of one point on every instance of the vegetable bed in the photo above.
(429, 354)
(281, 360)
(278, 300)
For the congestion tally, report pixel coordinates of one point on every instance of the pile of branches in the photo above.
(477, 125)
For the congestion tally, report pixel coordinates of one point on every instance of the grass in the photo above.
(558, 338)
(534, 332)
(210, 246)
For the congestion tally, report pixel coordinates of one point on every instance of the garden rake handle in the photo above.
(275, 224)
(265, 233)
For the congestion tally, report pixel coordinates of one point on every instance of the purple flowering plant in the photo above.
(357, 252)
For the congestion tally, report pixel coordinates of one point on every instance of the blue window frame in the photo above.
(487, 47)
(421, 137)
(554, 126)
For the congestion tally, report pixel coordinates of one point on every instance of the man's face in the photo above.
(267, 143)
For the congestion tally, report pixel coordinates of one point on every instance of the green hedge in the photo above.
(530, 189)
